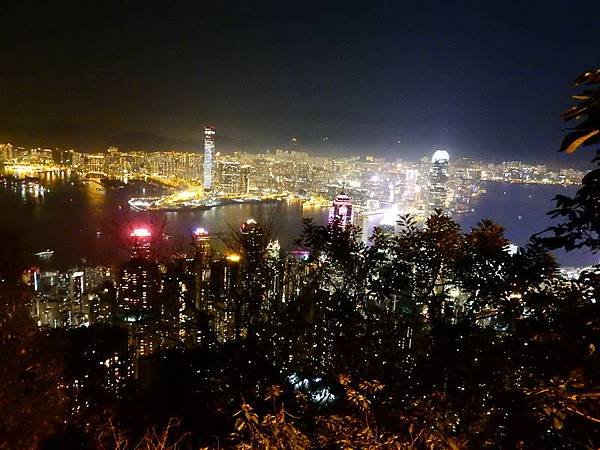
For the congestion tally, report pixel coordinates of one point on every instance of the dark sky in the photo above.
(481, 78)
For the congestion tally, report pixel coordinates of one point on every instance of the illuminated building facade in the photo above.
(438, 185)
(138, 292)
(225, 303)
(140, 243)
(201, 243)
(137, 289)
(341, 210)
(177, 306)
(209, 153)
(411, 193)
(252, 242)
(6, 152)
(254, 272)
(94, 163)
(245, 180)
(275, 270)
(229, 177)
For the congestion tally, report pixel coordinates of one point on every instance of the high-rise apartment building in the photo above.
(252, 242)
(140, 243)
(6, 152)
(229, 177)
(94, 163)
(137, 293)
(202, 261)
(245, 180)
(138, 279)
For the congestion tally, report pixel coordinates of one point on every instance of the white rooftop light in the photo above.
(200, 230)
(440, 155)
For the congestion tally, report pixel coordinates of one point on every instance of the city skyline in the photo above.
(199, 150)
(378, 192)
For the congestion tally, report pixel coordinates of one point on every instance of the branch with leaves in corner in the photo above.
(580, 226)
(272, 431)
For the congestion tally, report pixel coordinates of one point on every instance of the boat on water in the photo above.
(45, 254)
(181, 208)
(156, 204)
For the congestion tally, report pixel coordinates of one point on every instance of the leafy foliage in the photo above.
(32, 389)
(470, 346)
(580, 226)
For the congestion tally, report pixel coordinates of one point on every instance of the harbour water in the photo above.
(86, 221)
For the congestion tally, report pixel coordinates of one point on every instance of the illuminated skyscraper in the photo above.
(245, 179)
(111, 161)
(438, 183)
(201, 242)
(138, 293)
(209, 151)
(225, 306)
(231, 274)
(94, 163)
(341, 210)
(75, 311)
(229, 177)
(140, 243)
(411, 194)
(177, 305)
(253, 271)
(252, 242)
(138, 279)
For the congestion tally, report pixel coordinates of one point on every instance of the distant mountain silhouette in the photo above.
(140, 140)
(92, 140)
(52, 135)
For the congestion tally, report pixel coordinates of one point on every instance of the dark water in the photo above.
(522, 210)
(86, 221)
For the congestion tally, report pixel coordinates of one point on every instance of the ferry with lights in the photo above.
(158, 204)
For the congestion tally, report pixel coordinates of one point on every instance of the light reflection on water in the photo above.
(80, 220)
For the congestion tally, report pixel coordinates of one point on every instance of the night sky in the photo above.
(483, 79)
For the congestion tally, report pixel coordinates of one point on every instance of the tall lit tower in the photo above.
(209, 152)
(138, 278)
(201, 242)
(140, 243)
(244, 179)
(253, 270)
(252, 238)
(138, 286)
(341, 209)
(438, 183)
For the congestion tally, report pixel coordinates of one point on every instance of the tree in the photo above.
(32, 394)
(568, 387)
(581, 214)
